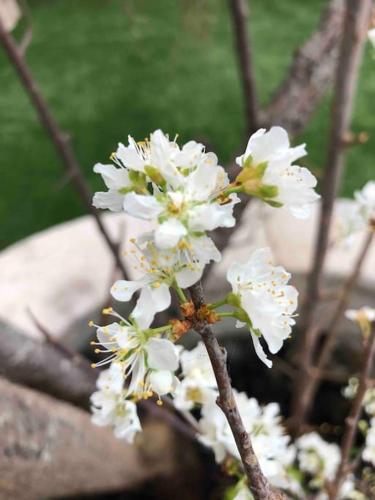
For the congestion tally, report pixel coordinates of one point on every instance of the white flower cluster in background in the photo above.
(369, 451)
(371, 36)
(352, 216)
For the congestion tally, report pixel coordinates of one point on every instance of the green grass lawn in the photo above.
(113, 67)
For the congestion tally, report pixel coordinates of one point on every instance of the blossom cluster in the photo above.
(352, 216)
(311, 459)
(185, 194)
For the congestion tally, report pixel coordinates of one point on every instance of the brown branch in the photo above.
(357, 16)
(42, 366)
(353, 418)
(59, 138)
(312, 384)
(310, 74)
(258, 484)
(239, 11)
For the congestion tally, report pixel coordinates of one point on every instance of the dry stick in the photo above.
(355, 413)
(309, 75)
(312, 384)
(239, 10)
(258, 484)
(357, 16)
(59, 138)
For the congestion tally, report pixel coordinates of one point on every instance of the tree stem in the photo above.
(258, 483)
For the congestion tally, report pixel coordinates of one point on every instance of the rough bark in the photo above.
(50, 449)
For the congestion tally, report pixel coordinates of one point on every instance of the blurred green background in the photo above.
(113, 67)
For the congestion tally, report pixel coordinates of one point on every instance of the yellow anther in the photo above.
(91, 323)
(159, 402)
(93, 365)
(97, 351)
(107, 310)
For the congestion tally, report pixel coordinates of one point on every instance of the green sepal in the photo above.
(138, 180)
(233, 300)
(155, 175)
(267, 191)
(275, 204)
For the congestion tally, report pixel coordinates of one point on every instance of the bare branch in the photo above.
(44, 367)
(357, 17)
(258, 483)
(355, 413)
(311, 386)
(59, 138)
(239, 10)
(311, 73)
(49, 449)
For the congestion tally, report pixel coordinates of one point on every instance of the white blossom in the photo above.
(190, 209)
(148, 362)
(371, 36)
(267, 300)
(348, 221)
(366, 201)
(269, 174)
(198, 384)
(110, 406)
(369, 398)
(269, 441)
(317, 457)
(162, 269)
(357, 315)
(369, 452)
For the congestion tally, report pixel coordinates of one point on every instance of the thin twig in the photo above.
(258, 483)
(59, 138)
(310, 74)
(353, 418)
(50, 338)
(239, 10)
(312, 383)
(357, 16)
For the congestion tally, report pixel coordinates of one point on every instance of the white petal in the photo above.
(201, 183)
(141, 206)
(168, 234)
(114, 178)
(259, 350)
(111, 200)
(124, 290)
(162, 381)
(161, 297)
(187, 277)
(144, 311)
(162, 354)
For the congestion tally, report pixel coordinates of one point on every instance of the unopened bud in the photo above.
(188, 309)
